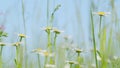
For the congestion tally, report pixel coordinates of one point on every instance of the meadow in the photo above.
(59, 34)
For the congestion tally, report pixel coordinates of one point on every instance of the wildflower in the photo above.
(93, 65)
(67, 37)
(50, 66)
(47, 29)
(101, 13)
(108, 60)
(42, 52)
(2, 44)
(115, 57)
(16, 44)
(72, 62)
(45, 53)
(22, 35)
(37, 50)
(56, 31)
(78, 50)
(99, 58)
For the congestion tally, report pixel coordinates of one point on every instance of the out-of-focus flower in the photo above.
(2, 44)
(50, 66)
(72, 62)
(57, 31)
(78, 50)
(93, 65)
(99, 58)
(101, 13)
(42, 52)
(47, 29)
(115, 57)
(37, 50)
(22, 35)
(16, 44)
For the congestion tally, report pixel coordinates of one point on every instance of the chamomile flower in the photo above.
(99, 58)
(47, 29)
(16, 44)
(2, 44)
(50, 66)
(72, 62)
(37, 50)
(57, 31)
(78, 50)
(101, 13)
(22, 35)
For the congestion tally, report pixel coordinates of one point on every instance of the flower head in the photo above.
(47, 29)
(16, 44)
(57, 31)
(101, 13)
(78, 50)
(42, 52)
(50, 66)
(72, 62)
(22, 35)
(37, 50)
(99, 58)
(2, 44)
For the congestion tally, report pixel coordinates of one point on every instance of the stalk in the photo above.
(55, 37)
(23, 15)
(100, 25)
(39, 64)
(45, 62)
(47, 12)
(94, 42)
(1, 56)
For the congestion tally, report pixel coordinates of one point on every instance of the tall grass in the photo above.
(66, 54)
(94, 42)
(24, 22)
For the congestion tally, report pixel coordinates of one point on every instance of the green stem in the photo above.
(94, 42)
(39, 64)
(47, 12)
(23, 14)
(70, 65)
(45, 61)
(49, 40)
(16, 59)
(100, 25)
(55, 41)
(1, 56)
(20, 39)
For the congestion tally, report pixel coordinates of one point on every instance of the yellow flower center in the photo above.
(101, 13)
(22, 35)
(46, 53)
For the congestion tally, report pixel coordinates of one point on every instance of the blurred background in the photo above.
(73, 17)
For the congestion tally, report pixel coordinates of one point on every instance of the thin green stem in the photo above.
(100, 25)
(45, 62)
(16, 59)
(47, 12)
(39, 64)
(1, 56)
(94, 42)
(49, 39)
(55, 37)
(23, 14)
(70, 65)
